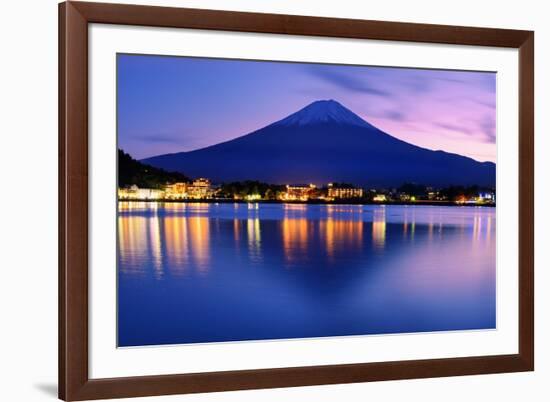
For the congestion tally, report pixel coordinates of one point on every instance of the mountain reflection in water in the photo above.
(201, 272)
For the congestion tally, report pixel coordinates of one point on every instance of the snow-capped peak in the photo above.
(323, 111)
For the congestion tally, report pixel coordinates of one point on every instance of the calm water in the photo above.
(209, 273)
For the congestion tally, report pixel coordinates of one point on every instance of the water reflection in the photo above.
(176, 235)
(349, 270)
(132, 242)
(341, 235)
(254, 239)
(155, 246)
(163, 242)
(295, 238)
(379, 228)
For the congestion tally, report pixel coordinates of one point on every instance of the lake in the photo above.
(206, 272)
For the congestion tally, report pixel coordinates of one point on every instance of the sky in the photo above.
(171, 104)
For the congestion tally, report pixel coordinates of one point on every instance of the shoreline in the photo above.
(314, 202)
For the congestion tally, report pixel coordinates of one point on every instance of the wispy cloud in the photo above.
(348, 82)
(417, 83)
(453, 80)
(462, 129)
(487, 126)
(394, 115)
(484, 128)
(159, 138)
(491, 105)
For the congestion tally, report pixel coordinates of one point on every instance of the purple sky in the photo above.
(173, 104)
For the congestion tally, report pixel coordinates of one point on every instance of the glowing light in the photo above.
(197, 190)
(299, 192)
(177, 243)
(155, 246)
(344, 192)
(379, 228)
(254, 239)
(295, 237)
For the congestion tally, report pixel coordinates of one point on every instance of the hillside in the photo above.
(131, 171)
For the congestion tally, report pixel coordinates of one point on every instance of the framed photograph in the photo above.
(258, 201)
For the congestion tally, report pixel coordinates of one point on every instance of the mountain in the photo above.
(326, 142)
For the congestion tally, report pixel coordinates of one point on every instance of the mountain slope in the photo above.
(326, 142)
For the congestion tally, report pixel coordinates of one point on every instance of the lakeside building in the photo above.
(404, 197)
(343, 192)
(136, 193)
(248, 197)
(253, 197)
(200, 189)
(176, 191)
(197, 190)
(481, 199)
(299, 192)
(487, 197)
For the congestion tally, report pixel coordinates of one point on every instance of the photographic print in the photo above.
(264, 200)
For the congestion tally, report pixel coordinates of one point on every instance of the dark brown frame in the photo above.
(74, 383)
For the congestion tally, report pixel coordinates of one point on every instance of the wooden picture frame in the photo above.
(74, 381)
